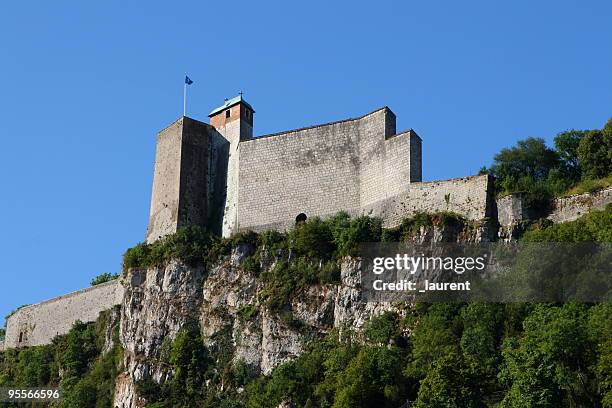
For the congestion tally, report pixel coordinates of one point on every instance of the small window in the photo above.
(300, 218)
(227, 113)
(20, 337)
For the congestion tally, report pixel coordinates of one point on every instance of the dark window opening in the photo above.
(300, 218)
(227, 113)
(20, 337)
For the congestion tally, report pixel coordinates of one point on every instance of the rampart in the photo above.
(511, 209)
(39, 323)
(324, 169)
(470, 197)
(573, 207)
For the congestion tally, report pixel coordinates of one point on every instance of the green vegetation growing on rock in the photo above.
(73, 362)
(460, 355)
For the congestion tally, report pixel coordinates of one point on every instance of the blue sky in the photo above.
(85, 86)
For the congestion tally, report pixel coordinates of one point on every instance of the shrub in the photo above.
(312, 239)
(103, 278)
(189, 244)
(382, 329)
(247, 312)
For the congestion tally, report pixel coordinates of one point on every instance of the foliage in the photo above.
(87, 376)
(103, 278)
(541, 173)
(190, 244)
(247, 312)
(595, 154)
(566, 145)
(382, 329)
(549, 365)
(189, 361)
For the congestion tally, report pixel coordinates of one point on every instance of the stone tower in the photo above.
(189, 164)
(233, 120)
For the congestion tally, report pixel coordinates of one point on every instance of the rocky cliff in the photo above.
(227, 301)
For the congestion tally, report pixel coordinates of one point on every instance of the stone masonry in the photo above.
(222, 178)
(38, 324)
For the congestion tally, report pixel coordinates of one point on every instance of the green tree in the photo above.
(566, 144)
(189, 359)
(529, 158)
(372, 379)
(449, 384)
(595, 154)
(549, 365)
(600, 333)
(434, 337)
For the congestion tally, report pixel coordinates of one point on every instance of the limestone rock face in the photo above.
(156, 304)
(228, 301)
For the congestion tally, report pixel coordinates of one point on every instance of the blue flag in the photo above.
(188, 80)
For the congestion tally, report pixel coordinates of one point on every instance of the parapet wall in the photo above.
(511, 211)
(573, 207)
(469, 197)
(38, 324)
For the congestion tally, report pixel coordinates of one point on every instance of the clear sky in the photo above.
(85, 86)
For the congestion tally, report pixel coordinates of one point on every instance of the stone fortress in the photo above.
(219, 176)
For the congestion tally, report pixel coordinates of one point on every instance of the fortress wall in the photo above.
(163, 216)
(322, 170)
(573, 207)
(231, 132)
(467, 196)
(399, 160)
(314, 171)
(195, 159)
(376, 178)
(416, 158)
(40, 323)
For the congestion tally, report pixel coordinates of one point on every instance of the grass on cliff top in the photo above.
(315, 239)
(589, 186)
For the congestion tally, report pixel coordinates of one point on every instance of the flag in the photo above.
(188, 80)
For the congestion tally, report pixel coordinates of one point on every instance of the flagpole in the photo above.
(185, 96)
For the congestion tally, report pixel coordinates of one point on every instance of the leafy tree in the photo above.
(529, 158)
(566, 144)
(548, 365)
(595, 154)
(435, 336)
(382, 329)
(481, 336)
(600, 333)
(449, 384)
(372, 379)
(312, 239)
(189, 359)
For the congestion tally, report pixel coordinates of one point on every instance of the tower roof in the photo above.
(229, 103)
